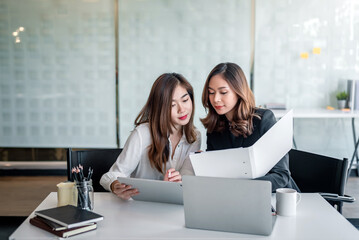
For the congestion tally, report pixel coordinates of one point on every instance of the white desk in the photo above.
(324, 113)
(315, 219)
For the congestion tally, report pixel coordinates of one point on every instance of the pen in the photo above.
(169, 174)
(273, 211)
(90, 174)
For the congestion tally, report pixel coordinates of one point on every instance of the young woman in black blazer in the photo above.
(233, 121)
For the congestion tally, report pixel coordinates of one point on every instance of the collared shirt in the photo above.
(134, 162)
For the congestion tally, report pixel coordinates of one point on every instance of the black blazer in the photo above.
(279, 175)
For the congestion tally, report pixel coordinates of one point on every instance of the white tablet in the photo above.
(155, 190)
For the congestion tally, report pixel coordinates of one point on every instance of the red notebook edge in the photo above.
(36, 221)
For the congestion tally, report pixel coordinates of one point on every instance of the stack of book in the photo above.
(66, 221)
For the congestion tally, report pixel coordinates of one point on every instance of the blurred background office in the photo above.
(76, 73)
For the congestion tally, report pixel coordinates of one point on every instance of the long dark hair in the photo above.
(157, 112)
(242, 122)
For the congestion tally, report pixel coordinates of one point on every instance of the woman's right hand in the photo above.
(122, 190)
(172, 176)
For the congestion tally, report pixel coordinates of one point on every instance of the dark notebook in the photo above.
(69, 216)
(38, 222)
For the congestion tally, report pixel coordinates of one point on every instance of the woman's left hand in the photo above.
(172, 176)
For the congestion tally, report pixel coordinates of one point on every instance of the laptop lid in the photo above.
(230, 205)
(155, 190)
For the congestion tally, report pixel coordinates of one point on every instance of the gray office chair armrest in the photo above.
(336, 198)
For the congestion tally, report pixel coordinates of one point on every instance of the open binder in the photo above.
(251, 162)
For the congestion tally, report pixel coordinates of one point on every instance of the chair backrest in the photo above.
(100, 160)
(318, 173)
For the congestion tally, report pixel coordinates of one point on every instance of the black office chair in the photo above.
(318, 173)
(100, 160)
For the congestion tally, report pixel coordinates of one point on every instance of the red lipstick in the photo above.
(184, 117)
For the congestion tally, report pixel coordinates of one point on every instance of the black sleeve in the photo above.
(209, 142)
(279, 175)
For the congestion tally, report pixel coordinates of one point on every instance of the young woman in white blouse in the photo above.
(159, 146)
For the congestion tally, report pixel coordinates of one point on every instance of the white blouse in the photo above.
(133, 160)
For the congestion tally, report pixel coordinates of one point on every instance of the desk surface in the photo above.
(315, 219)
(318, 113)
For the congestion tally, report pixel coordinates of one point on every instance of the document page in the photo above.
(232, 163)
(248, 163)
(273, 145)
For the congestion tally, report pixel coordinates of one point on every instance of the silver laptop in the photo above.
(227, 204)
(155, 190)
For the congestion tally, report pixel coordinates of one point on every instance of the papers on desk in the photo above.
(248, 163)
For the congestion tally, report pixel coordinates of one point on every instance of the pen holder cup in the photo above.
(85, 195)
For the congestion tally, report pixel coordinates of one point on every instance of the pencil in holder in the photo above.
(85, 195)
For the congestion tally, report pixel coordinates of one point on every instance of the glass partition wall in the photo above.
(57, 77)
(188, 37)
(58, 82)
(303, 58)
(76, 73)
